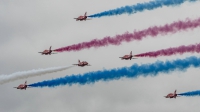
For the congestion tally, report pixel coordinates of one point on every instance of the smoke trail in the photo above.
(137, 35)
(139, 7)
(31, 73)
(129, 72)
(191, 93)
(171, 51)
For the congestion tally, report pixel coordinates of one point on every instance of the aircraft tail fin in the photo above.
(175, 92)
(85, 14)
(79, 61)
(131, 55)
(175, 95)
(25, 82)
(50, 48)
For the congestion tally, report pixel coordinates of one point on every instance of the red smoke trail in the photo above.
(137, 35)
(172, 51)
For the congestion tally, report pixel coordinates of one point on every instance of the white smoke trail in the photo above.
(30, 73)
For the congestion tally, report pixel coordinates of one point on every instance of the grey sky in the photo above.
(27, 27)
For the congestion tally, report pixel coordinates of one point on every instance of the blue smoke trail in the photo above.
(129, 72)
(191, 93)
(139, 7)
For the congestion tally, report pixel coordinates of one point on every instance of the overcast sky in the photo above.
(29, 27)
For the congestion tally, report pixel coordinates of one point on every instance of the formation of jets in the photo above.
(85, 63)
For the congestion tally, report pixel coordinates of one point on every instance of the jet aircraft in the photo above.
(82, 64)
(47, 52)
(171, 95)
(22, 86)
(81, 18)
(127, 57)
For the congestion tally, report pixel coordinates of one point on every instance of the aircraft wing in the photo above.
(75, 18)
(54, 53)
(75, 64)
(40, 52)
(14, 87)
(133, 58)
(88, 19)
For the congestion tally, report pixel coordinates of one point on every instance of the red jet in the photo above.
(171, 95)
(81, 18)
(22, 86)
(82, 64)
(47, 52)
(127, 57)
